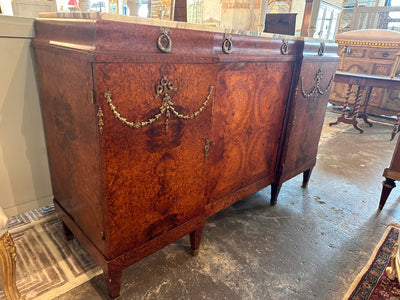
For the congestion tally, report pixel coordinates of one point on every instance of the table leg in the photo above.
(345, 105)
(357, 109)
(353, 120)
(387, 187)
(363, 115)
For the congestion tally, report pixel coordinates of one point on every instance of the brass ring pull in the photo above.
(227, 44)
(321, 50)
(164, 42)
(284, 47)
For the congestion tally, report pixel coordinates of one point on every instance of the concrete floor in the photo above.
(311, 245)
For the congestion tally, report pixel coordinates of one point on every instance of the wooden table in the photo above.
(364, 82)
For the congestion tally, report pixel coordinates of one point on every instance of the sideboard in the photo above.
(152, 126)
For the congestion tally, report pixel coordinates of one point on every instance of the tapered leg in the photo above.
(68, 233)
(275, 188)
(306, 177)
(195, 238)
(113, 281)
(7, 258)
(387, 187)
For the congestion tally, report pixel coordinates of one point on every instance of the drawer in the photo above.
(382, 54)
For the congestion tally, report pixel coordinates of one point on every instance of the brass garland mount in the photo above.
(162, 90)
(316, 88)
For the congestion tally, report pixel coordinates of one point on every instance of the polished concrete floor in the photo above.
(311, 245)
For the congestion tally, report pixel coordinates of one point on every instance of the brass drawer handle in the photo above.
(227, 44)
(321, 50)
(164, 42)
(284, 47)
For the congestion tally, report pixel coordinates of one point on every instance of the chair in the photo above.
(7, 259)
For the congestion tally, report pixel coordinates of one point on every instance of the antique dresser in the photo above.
(151, 126)
(371, 52)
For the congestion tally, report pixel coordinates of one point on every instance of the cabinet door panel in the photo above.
(154, 176)
(306, 119)
(247, 122)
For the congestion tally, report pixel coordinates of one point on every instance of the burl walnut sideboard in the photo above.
(151, 126)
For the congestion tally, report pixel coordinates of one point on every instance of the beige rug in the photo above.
(47, 264)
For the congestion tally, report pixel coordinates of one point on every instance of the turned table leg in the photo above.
(344, 108)
(363, 115)
(195, 238)
(387, 187)
(356, 109)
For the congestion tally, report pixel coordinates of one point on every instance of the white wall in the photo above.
(24, 173)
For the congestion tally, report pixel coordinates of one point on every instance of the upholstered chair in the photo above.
(7, 259)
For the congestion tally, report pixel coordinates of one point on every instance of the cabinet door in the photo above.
(247, 122)
(154, 175)
(306, 117)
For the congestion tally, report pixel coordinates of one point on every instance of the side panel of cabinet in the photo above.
(69, 116)
(247, 121)
(154, 176)
(306, 116)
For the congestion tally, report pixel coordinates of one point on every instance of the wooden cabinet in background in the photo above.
(280, 23)
(371, 52)
(152, 126)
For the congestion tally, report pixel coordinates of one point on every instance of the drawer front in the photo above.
(382, 54)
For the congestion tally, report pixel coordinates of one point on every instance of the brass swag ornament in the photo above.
(162, 90)
(316, 88)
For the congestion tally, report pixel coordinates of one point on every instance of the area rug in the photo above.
(47, 264)
(372, 282)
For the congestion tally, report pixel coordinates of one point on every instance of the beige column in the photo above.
(133, 6)
(314, 15)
